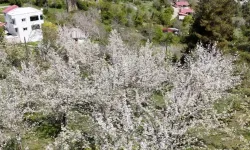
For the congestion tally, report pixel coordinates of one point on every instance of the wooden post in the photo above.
(26, 53)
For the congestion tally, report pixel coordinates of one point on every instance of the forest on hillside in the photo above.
(127, 84)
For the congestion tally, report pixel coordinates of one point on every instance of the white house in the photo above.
(24, 22)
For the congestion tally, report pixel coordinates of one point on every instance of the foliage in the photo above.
(46, 126)
(212, 22)
(158, 4)
(164, 38)
(2, 32)
(49, 33)
(40, 2)
(166, 16)
(106, 15)
(56, 3)
(82, 5)
(45, 11)
(11, 144)
(246, 12)
(186, 24)
(16, 55)
(16, 2)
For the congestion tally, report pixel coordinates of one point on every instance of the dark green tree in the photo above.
(166, 16)
(16, 2)
(212, 23)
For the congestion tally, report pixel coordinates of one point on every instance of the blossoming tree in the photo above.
(113, 90)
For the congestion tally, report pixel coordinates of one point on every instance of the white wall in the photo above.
(29, 34)
(181, 17)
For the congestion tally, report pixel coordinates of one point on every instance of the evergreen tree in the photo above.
(212, 22)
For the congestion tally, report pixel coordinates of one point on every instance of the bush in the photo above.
(166, 16)
(157, 4)
(56, 3)
(139, 18)
(137, 2)
(46, 125)
(3, 1)
(45, 11)
(106, 14)
(16, 55)
(1, 34)
(16, 2)
(158, 34)
(11, 145)
(49, 33)
(82, 5)
(40, 2)
(119, 14)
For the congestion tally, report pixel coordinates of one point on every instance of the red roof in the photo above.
(164, 29)
(8, 9)
(183, 14)
(170, 30)
(185, 11)
(182, 3)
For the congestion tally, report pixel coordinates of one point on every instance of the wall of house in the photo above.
(24, 27)
(9, 26)
(181, 17)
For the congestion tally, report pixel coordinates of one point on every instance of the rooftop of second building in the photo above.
(8, 9)
(23, 10)
(182, 3)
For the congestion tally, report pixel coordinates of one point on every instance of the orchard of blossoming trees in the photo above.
(115, 97)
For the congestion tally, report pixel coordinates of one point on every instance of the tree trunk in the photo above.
(71, 5)
(64, 119)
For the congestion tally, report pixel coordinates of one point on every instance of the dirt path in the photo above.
(175, 14)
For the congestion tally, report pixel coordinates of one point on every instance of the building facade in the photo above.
(24, 22)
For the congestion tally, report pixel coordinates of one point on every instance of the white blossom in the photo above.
(115, 87)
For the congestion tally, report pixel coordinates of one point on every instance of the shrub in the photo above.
(166, 16)
(1, 34)
(46, 125)
(49, 33)
(56, 3)
(40, 2)
(16, 2)
(11, 144)
(45, 11)
(82, 5)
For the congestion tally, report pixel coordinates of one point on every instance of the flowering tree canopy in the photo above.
(113, 90)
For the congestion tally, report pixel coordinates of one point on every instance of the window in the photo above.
(23, 19)
(36, 26)
(13, 21)
(24, 29)
(16, 29)
(34, 18)
(41, 17)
